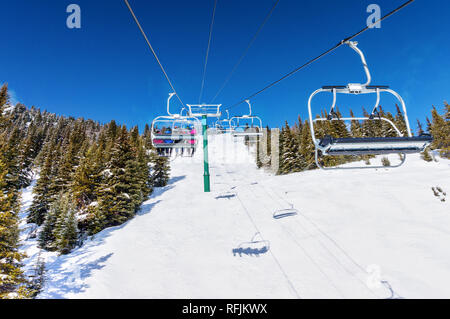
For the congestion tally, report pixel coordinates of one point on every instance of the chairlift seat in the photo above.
(374, 145)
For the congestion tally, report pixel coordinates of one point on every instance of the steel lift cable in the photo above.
(207, 52)
(336, 244)
(305, 252)
(244, 207)
(342, 42)
(153, 51)
(246, 50)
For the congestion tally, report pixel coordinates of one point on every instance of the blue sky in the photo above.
(105, 71)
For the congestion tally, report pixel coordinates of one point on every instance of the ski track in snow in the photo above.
(358, 234)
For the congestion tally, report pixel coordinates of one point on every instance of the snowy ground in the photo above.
(357, 234)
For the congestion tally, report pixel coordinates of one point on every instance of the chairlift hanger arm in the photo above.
(354, 46)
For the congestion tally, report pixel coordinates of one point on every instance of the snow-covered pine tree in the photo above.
(87, 177)
(26, 157)
(120, 194)
(307, 148)
(46, 236)
(387, 129)
(440, 130)
(144, 171)
(420, 130)
(368, 129)
(147, 137)
(10, 156)
(258, 147)
(400, 121)
(160, 170)
(66, 230)
(4, 98)
(13, 283)
(338, 129)
(290, 159)
(42, 200)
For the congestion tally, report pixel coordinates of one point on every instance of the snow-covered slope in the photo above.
(358, 234)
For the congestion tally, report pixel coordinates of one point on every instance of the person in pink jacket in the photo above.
(192, 140)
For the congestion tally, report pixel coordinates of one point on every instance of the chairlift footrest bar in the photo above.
(374, 145)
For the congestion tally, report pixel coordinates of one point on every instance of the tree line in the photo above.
(297, 148)
(88, 176)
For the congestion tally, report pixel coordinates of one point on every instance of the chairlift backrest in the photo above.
(199, 110)
(254, 130)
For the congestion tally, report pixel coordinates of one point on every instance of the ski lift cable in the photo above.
(290, 283)
(272, 191)
(153, 51)
(228, 78)
(207, 51)
(322, 55)
(335, 243)
(270, 251)
(305, 252)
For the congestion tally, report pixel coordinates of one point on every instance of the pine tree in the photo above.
(307, 148)
(66, 230)
(144, 171)
(47, 237)
(87, 178)
(25, 160)
(41, 200)
(368, 129)
(4, 99)
(147, 138)
(258, 147)
(10, 154)
(290, 159)
(447, 111)
(120, 194)
(13, 283)
(4, 96)
(160, 170)
(387, 129)
(440, 130)
(59, 231)
(420, 130)
(355, 127)
(400, 121)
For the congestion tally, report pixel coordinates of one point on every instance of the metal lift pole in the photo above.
(206, 181)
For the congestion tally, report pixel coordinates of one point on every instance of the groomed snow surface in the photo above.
(357, 234)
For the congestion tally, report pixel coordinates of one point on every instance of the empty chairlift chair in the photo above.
(253, 126)
(199, 110)
(225, 125)
(329, 146)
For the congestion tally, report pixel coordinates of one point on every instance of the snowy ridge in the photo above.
(358, 234)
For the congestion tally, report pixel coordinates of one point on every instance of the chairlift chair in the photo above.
(226, 125)
(199, 110)
(174, 130)
(254, 130)
(330, 146)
